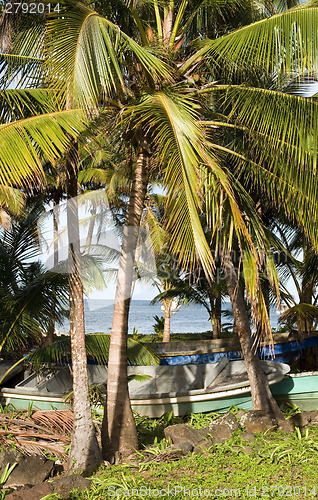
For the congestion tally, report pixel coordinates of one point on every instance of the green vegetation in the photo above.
(274, 465)
(213, 123)
(177, 337)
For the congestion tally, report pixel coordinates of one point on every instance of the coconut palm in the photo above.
(84, 452)
(173, 282)
(27, 288)
(158, 89)
(299, 264)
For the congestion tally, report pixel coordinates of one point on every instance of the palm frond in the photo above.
(38, 138)
(285, 152)
(17, 104)
(87, 55)
(179, 140)
(22, 67)
(284, 43)
(299, 312)
(97, 347)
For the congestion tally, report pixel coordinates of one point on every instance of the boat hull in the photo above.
(178, 389)
(20, 401)
(220, 405)
(287, 348)
(300, 389)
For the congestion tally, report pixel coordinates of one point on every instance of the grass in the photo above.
(176, 337)
(273, 466)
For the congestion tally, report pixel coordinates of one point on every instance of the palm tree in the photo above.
(173, 282)
(27, 289)
(169, 109)
(299, 263)
(84, 452)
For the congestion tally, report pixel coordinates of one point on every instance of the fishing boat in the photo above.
(182, 389)
(300, 389)
(287, 348)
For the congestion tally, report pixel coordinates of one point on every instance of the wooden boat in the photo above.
(182, 389)
(300, 389)
(287, 348)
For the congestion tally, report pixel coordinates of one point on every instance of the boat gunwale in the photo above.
(220, 345)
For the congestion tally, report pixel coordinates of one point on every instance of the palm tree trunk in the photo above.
(90, 231)
(85, 453)
(50, 331)
(306, 325)
(216, 317)
(166, 328)
(261, 395)
(119, 433)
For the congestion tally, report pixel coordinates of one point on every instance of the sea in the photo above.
(191, 318)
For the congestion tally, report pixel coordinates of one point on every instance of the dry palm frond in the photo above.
(60, 420)
(28, 434)
(165, 457)
(38, 434)
(40, 447)
(7, 420)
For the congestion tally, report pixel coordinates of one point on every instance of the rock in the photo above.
(30, 470)
(247, 449)
(203, 446)
(184, 446)
(257, 421)
(134, 457)
(312, 415)
(248, 436)
(179, 433)
(9, 456)
(305, 418)
(35, 493)
(286, 426)
(239, 414)
(300, 419)
(63, 486)
(221, 439)
(220, 433)
(226, 420)
(221, 428)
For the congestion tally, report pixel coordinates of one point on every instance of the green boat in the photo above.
(300, 389)
(182, 389)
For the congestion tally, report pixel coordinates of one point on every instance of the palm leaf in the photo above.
(88, 55)
(17, 104)
(26, 143)
(284, 43)
(179, 141)
(23, 66)
(299, 312)
(97, 347)
(271, 120)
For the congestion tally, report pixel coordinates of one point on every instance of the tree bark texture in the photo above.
(85, 453)
(90, 231)
(119, 434)
(261, 395)
(216, 317)
(50, 331)
(166, 328)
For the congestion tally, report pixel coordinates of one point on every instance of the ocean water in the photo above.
(192, 318)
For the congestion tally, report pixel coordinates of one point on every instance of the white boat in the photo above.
(175, 306)
(182, 389)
